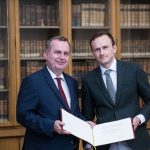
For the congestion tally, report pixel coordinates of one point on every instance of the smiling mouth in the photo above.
(61, 62)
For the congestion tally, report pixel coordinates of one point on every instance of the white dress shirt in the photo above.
(64, 85)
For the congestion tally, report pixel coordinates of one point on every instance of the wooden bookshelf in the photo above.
(4, 60)
(135, 32)
(25, 26)
(88, 17)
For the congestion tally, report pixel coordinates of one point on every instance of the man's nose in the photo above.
(101, 51)
(62, 56)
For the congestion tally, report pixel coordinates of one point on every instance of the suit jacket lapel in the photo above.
(101, 84)
(121, 71)
(52, 85)
(71, 90)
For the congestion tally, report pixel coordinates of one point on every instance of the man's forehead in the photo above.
(103, 40)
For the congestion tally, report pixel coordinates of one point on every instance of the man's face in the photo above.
(103, 50)
(57, 57)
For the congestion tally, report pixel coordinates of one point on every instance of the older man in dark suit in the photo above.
(128, 83)
(42, 95)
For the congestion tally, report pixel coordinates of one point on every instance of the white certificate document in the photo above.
(101, 134)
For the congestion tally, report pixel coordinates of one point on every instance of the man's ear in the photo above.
(45, 54)
(115, 48)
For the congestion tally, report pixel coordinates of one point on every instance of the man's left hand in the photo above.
(136, 122)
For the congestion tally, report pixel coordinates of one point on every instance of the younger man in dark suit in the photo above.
(39, 101)
(129, 83)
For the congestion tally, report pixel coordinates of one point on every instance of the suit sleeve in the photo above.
(87, 102)
(144, 91)
(27, 105)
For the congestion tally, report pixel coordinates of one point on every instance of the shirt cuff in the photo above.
(141, 117)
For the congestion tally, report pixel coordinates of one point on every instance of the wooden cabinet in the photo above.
(25, 25)
(4, 63)
(88, 17)
(135, 33)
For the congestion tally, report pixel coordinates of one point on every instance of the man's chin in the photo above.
(61, 68)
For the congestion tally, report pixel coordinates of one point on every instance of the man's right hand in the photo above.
(58, 127)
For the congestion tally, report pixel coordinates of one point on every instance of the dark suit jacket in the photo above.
(38, 107)
(132, 83)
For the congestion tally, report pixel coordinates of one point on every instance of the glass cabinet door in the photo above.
(135, 32)
(88, 17)
(4, 61)
(39, 21)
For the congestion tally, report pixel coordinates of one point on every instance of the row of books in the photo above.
(129, 48)
(28, 67)
(144, 63)
(3, 13)
(32, 48)
(3, 110)
(80, 68)
(88, 14)
(2, 77)
(3, 43)
(35, 48)
(81, 48)
(39, 15)
(136, 15)
(136, 48)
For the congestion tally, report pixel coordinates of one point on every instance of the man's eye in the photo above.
(97, 49)
(57, 52)
(105, 47)
(66, 54)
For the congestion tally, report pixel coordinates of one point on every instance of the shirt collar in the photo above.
(113, 67)
(54, 75)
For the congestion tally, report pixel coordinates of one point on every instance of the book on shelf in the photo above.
(76, 15)
(135, 15)
(1, 49)
(135, 48)
(38, 15)
(32, 48)
(2, 77)
(3, 110)
(3, 44)
(3, 13)
(33, 15)
(144, 63)
(88, 14)
(85, 18)
(81, 48)
(80, 68)
(28, 67)
(97, 13)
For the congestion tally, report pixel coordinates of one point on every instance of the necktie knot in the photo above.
(107, 72)
(58, 80)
